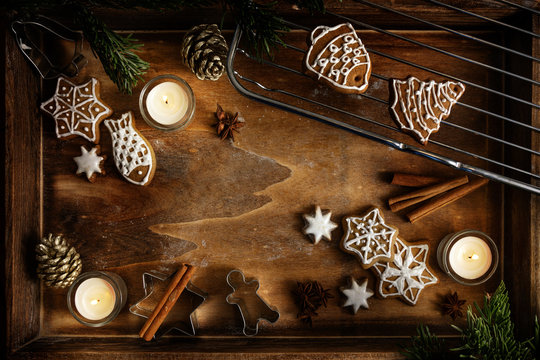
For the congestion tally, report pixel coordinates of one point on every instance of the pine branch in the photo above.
(116, 52)
(490, 334)
(260, 25)
(426, 346)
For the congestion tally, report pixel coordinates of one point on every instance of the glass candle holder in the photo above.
(95, 298)
(167, 103)
(470, 257)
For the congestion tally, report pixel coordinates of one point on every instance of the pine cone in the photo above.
(59, 264)
(204, 50)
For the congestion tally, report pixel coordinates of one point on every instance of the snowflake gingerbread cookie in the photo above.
(419, 107)
(77, 109)
(133, 155)
(90, 163)
(319, 225)
(407, 274)
(337, 57)
(357, 295)
(369, 238)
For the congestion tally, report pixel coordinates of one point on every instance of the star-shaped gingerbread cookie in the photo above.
(319, 225)
(407, 274)
(357, 295)
(77, 109)
(369, 238)
(90, 163)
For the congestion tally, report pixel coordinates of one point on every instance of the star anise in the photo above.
(452, 305)
(310, 296)
(227, 123)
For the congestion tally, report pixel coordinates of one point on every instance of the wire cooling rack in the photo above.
(497, 166)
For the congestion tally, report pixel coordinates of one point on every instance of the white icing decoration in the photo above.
(369, 237)
(343, 43)
(319, 225)
(69, 103)
(357, 295)
(88, 162)
(428, 97)
(127, 143)
(407, 274)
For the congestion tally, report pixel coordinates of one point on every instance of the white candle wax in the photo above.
(167, 103)
(95, 298)
(470, 257)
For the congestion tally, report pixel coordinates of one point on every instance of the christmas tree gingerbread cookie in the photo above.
(419, 107)
(407, 274)
(133, 155)
(77, 109)
(369, 238)
(337, 57)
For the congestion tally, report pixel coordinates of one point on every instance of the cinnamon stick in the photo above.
(169, 303)
(445, 199)
(174, 282)
(402, 201)
(414, 180)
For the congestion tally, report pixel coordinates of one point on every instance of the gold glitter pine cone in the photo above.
(59, 263)
(204, 51)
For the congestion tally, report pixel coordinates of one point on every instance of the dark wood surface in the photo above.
(224, 205)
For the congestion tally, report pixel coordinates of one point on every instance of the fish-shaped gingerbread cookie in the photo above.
(337, 57)
(133, 154)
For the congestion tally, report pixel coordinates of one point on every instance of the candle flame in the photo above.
(475, 257)
(94, 302)
(165, 99)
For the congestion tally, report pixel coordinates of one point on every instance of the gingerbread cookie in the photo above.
(419, 107)
(319, 225)
(77, 109)
(407, 274)
(369, 238)
(337, 57)
(357, 295)
(133, 154)
(90, 163)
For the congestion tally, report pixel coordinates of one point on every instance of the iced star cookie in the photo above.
(77, 109)
(337, 57)
(407, 274)
(319, 225)
(357, 295)
(419, 107)
(133, 155)
(90, 163)
(369, 238)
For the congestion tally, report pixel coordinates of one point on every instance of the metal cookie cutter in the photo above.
(52, 48)
(252, 307)
(181, 317)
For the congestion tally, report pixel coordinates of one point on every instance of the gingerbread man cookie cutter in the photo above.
(252, 307)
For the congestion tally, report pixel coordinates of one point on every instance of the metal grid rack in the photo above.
(506, 172)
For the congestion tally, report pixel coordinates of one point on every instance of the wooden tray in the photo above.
(222, 206)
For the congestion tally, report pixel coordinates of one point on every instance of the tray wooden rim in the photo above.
(23, 220)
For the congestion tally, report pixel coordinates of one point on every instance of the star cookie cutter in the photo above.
(252, 307)
(34, 38)
(182, 316)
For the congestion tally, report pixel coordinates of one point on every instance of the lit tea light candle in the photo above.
(469, 257)
(167, 102)
(95, 298)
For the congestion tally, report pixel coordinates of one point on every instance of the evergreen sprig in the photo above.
(426, 346)
(489, 335)
(261, 25)
(116, 52)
